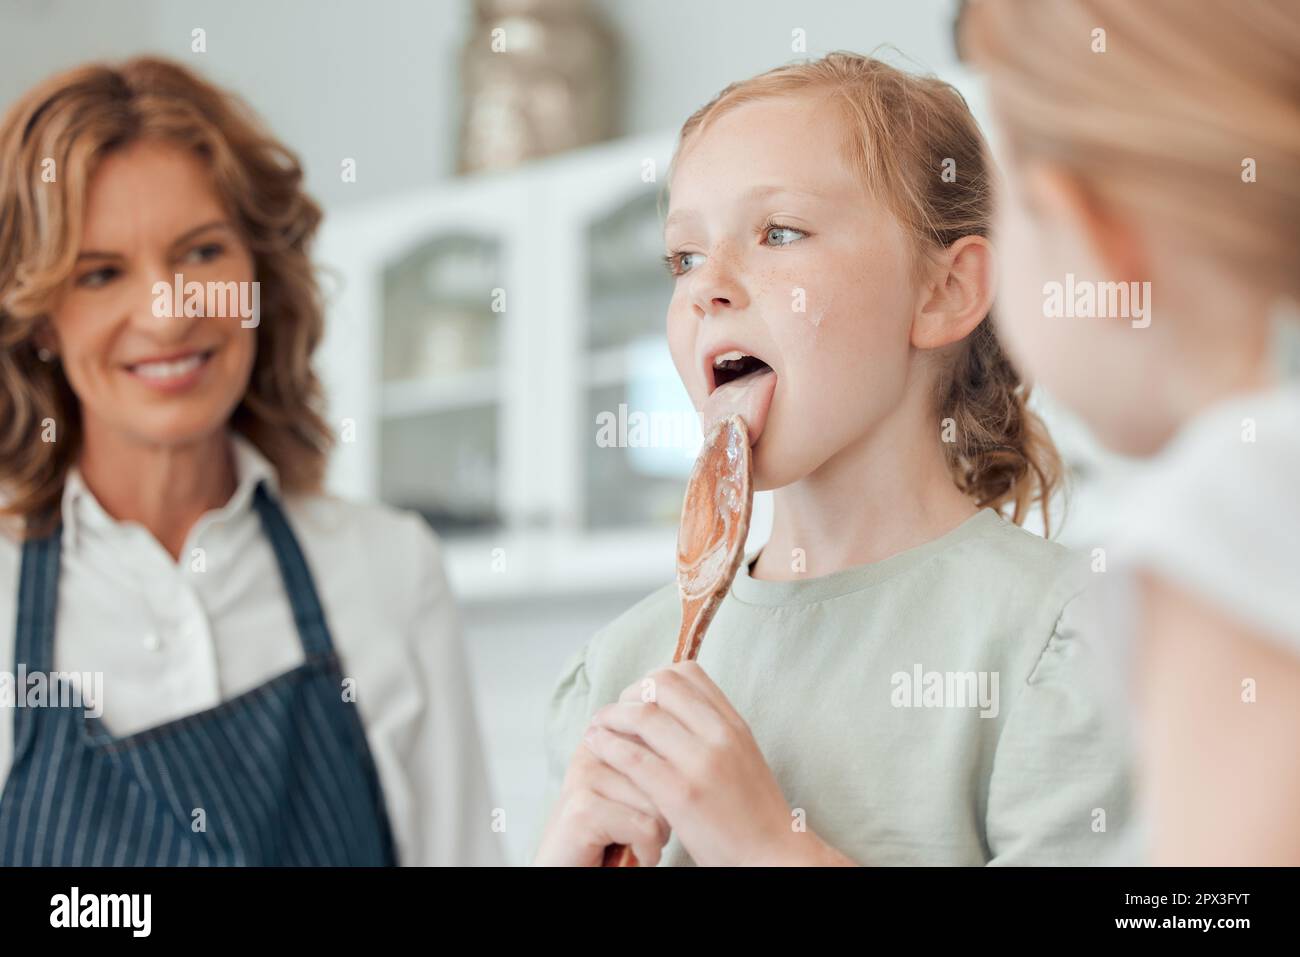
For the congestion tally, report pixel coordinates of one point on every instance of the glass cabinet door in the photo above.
(646, 430)
(437, 317)
(440, 402)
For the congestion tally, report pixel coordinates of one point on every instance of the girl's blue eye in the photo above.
(97, 277)
(783, 235)
(681, 263)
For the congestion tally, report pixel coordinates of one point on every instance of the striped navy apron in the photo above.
(280, 774)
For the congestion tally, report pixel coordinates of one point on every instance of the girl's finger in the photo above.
(618, 787)
(699, 679)
(652, 775)
(673, 693)
(659, 730)
(604, 822)
(643, 689)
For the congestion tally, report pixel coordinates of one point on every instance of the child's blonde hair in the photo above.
(1188, 113)
(902, 132)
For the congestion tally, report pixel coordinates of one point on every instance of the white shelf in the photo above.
(538, 392)
(535, 564)
(540, 564)
(435, 394)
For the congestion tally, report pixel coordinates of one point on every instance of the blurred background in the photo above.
(492, 174)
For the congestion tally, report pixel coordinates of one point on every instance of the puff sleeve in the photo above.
(1059, 792)
(567, 713)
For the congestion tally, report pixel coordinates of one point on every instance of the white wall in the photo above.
(38, 37)
(377, 80)
(373, 81)
(680, 53)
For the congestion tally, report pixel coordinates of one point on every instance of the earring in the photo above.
(44, 354)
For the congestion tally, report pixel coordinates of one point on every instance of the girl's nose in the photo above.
(718, 286)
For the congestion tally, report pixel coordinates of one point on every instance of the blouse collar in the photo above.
(80, 510)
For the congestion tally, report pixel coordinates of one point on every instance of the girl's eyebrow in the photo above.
(679, 216)
(754, 193)
(762, 192)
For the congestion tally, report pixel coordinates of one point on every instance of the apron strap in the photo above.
(38, 601)
(298, 584)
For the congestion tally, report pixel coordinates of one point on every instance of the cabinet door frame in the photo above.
(358, 246)
(579, 190)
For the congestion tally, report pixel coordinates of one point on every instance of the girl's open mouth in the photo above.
(743, 385)
(736, 365)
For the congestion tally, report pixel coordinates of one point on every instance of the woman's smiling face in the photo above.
(152, 213)
(780, 253)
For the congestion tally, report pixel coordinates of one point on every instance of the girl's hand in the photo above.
(675, 736)
(599, 806)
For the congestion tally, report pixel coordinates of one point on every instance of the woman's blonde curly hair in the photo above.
(67, 124)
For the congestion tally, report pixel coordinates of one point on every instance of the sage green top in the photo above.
(931, 708)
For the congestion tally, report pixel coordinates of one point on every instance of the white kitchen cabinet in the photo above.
(475, 331)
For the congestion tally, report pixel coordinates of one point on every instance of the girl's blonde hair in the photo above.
(66, 125)
(1188, 113)
(902, 131)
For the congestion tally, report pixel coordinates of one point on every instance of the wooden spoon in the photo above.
(710, 545)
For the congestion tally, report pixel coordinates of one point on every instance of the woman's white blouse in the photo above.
(176, 637)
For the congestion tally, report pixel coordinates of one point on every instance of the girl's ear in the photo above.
(959, 294)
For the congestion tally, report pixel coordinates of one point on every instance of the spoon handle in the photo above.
(696, 616)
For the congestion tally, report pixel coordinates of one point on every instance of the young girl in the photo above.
(1191, 185)
(893, 679)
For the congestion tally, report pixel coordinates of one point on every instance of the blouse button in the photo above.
(151, 642)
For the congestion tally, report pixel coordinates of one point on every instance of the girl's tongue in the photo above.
(749, 396)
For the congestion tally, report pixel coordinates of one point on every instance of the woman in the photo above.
(282, 680)
(1155, 148)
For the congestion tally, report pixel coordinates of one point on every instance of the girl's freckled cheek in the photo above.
(807, 304)
(815, 313)
(764, 286)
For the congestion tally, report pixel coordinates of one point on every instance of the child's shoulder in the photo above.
(635, 643)
(1023, 584)
(1038, 590)
(1027, 561)
(641, 638)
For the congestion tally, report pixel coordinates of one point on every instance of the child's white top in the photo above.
(1217, 513)
(931, 708)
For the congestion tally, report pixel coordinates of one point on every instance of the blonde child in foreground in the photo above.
(893, 678)
(1182, 173)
